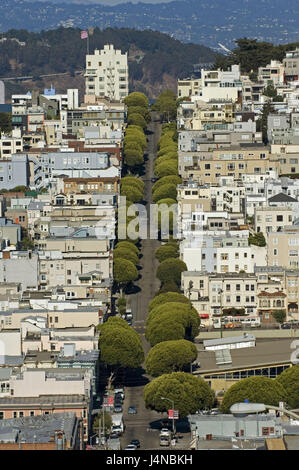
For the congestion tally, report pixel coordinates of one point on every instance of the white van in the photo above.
(117, 423)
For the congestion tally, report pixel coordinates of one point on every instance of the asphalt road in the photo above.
(145, 424)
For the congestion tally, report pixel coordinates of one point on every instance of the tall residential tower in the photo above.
(107, 74)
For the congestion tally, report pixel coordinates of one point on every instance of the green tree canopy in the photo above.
(132, 181)
(124, 271)
(98, 422)
(166, 105)
(133, 158)
(126, 254)
(169, 286)
(121, 346)
(166, 158)
(137, 119)
(254, 389)
(257, 239)
(5, 122)
(132, 193)
(171, 179)
(136, 99)
(183, 320)
(140, 110)
(289, 380)
(128, 245)
(188, 314)
(279, 315)
(167, 297)
(171, 270)
(166, 251)
(173, 147)
(188, 392)
(170, 356)
(166, 191)
(166, 168)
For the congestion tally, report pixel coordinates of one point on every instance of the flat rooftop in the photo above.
(267, 352)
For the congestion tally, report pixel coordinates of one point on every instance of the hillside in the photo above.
(198, 21)
(155, 59)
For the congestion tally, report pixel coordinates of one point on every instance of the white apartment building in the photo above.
(273, 72)
(10, 144)
(107, 73)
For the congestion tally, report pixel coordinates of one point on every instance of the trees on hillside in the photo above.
(166, 251)
(170, 356)
(256, 390)
(289, 380)
(167, 297)
(166, 168)
(164, 191)
(124, 271)
(189, 393)
(120, 345)
(171, 270)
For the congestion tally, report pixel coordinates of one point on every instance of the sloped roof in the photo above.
(282, 197)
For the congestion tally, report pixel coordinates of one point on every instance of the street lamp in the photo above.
(172, 403)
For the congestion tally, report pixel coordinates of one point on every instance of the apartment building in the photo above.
(213, 293)
(273, 73)
(272, 219)
(291, 65)
(108, 118)
(20, 267)
(188, 87)
(10, 144)
(208, 167)
(91, 185)
(14, 172)
(60, 317)
(283, 248)
(107, 73)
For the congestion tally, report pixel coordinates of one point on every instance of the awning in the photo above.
(204, 315)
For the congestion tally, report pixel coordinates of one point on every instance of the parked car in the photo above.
(135, 442)
(131, 447)
(165, 432)
(132, 410)
(118, 408)
(164, 441)
(118, 398)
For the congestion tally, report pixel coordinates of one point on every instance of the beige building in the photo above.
(208, 167)
(273, 72)
(283, 248)
(188, 87)
(212, 293)
(76, 317)
(272, 219)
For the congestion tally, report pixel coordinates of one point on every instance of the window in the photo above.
(56, 319)
(265, 431)
(238, 298)
(279, 218)
(238, 286)
(1, 415)
(31, 413)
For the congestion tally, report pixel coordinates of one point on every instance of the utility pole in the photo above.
(221, 292)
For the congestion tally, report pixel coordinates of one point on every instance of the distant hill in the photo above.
(206, 22)
(156, 60)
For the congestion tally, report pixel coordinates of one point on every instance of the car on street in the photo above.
(118, 408)
(153, 180)
(164, 441)
(164, 432)
(118, 399)
(129, 321)
(131, 447)
(135, 442)
(132, 410)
